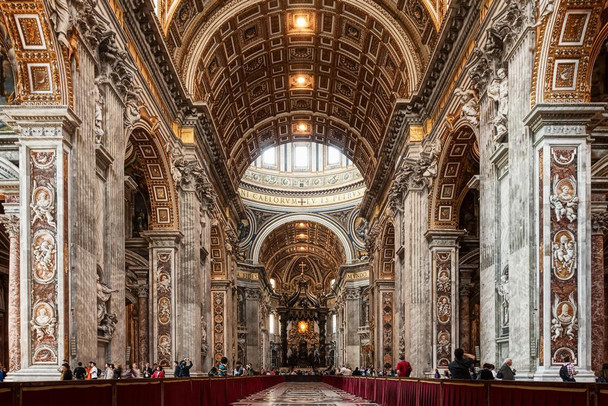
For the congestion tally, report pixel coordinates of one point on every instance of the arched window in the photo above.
(273, 283)
(334, 323)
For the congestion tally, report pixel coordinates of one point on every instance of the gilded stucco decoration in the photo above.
(164, 213)
(567, 36)
(456, 167)
(43, 74)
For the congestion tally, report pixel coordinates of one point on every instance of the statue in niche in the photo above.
(106, 322)
(141, 223)
(503, 292)
(498, 91)
(99, 104)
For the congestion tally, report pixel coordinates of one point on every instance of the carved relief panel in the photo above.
(564, 254)
(443, 307)
(44, 303)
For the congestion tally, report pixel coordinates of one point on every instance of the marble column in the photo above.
(464, 320)
(351, 313)
(188, 276)
(562, 186)
(444, 248)
(252, 318)
(11, 225)
(143, 333)
(44, 156)
(322, 335)
(163, 249)
(284, 322)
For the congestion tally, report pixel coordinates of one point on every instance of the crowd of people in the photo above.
(116, 371)
(464, 366)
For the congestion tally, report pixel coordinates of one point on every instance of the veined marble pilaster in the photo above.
(11, 225)
(219, 331)
(143, 333)
(44, 243)
(163, 247)
(564, 229)
(444, 247)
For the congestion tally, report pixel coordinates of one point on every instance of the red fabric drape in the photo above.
(513, 395)
(138, 393)
(429, 393)
(408, 396)
(370, 386)
(178, 392)
(391, 392)
(6, 396)
(462, 394)
(68, 395)
(381, 389)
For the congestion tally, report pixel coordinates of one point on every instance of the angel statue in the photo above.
(470, 105)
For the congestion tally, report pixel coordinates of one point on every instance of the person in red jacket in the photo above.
(404, 368)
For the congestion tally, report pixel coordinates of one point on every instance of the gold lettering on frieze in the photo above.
(358, 275)
(247, 275)
(301, 201)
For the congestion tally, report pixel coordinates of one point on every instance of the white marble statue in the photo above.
(470, 105)
(498, 91)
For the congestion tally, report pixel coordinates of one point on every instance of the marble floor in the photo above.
(303, 393)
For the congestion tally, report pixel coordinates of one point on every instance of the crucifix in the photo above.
(302, 266)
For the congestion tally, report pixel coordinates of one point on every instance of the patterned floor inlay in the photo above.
(303, 393)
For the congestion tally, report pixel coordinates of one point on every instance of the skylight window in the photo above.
(301, 157)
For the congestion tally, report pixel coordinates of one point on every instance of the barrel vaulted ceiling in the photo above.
(293, 241)
(271, 72)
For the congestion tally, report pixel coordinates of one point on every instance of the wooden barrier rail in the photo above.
(148, 392)
(445, 392)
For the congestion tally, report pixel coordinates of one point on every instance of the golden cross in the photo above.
(302, 266)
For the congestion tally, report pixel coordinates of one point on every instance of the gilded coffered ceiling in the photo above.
(272, 72)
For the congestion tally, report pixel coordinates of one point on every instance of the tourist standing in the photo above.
(506, 373)
(66, 372)
(460, 368)
(238, 370)
(147, 371)
(92, 372)
(567, 371)
(108, 371)
(80, 372)
(159, 372)
(118, 372)
(404, 368)
(486, 373)
(177, 370)
(222, 369)
(185, 368)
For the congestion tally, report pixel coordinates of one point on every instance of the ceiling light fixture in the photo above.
(301, 20)
(302, 127)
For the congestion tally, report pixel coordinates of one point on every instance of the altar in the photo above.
(303, 318)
